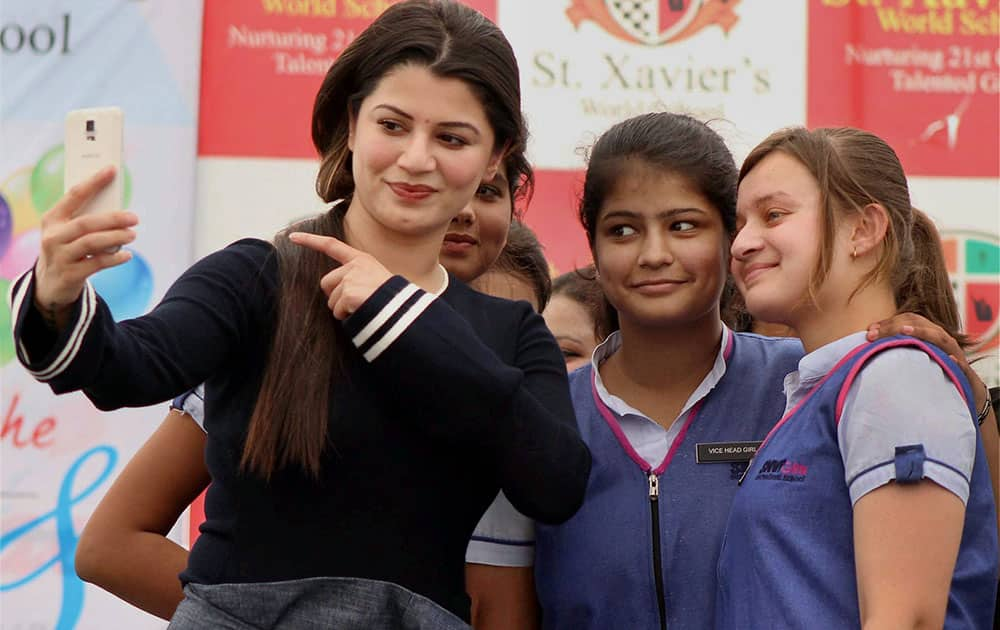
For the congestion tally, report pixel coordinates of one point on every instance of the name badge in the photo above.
(725, 452)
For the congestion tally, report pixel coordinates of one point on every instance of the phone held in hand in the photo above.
(94, 141)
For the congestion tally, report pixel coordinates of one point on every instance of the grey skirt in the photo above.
(310, 604)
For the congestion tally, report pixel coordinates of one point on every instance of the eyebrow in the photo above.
(567, 338)
(664, 214)
(778, 195)
(448, 123)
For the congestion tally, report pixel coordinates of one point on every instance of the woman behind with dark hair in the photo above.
(341, 494)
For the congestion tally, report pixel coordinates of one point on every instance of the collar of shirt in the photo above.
(815, 365)
(625, 410)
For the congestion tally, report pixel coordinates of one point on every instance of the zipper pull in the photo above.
(744, 475)
(654, 486)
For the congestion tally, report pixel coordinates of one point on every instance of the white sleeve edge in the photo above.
(74, 342)
(942, 475)
(498, 554)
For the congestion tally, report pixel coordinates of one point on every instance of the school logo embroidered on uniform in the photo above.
(782, 470)
(973, 261)
(654, 22)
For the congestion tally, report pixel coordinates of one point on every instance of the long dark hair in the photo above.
(854, 168)
(290, 420)
(675, 143)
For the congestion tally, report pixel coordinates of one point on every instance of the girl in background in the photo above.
(869, 504)
(340, 491)
(572, 316)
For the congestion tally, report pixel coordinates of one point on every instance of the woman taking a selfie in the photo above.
(124, 547)
(342, 425)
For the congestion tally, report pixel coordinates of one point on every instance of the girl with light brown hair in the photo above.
(870, 502)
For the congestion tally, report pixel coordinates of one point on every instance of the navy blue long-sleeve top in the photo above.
(445, 399)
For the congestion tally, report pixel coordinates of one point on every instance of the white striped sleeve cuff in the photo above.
(386, 315)
(69, 343)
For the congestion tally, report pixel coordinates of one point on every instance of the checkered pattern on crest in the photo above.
(653, 22)
(637, 17)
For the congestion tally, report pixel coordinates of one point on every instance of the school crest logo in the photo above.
(654, 22)
(973, 261)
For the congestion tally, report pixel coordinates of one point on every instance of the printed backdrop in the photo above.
(921, 73)
(59, 455)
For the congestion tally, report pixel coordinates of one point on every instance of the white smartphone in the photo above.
(94, 140)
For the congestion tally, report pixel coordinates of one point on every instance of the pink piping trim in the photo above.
(613, 424)
(680, 438)
(728, 352)
(608, 416)
(842, 396)
(791, 412)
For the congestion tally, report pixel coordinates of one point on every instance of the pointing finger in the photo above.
(332, 247)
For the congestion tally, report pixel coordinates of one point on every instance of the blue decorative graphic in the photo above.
(126, 288)
(72, 586)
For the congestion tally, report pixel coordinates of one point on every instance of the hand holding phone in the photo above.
(85, 230)
(93, 142)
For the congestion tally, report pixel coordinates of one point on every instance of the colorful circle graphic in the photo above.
(47, 179)
(16, 189)
(126, 288)
(6, 341)
(6, 225)
(21, 254)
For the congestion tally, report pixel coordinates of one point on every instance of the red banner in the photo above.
(553, 215)
(262, 63)
(923, 74)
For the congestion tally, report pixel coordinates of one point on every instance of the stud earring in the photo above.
(854, 254)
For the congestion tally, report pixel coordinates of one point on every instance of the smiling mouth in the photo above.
(753, 271)
(411, 191)
(455, 237)
(656, 287)
(458, 243)
(651, 283)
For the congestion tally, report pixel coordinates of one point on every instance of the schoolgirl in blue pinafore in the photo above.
(788, 555)
(642, 551)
